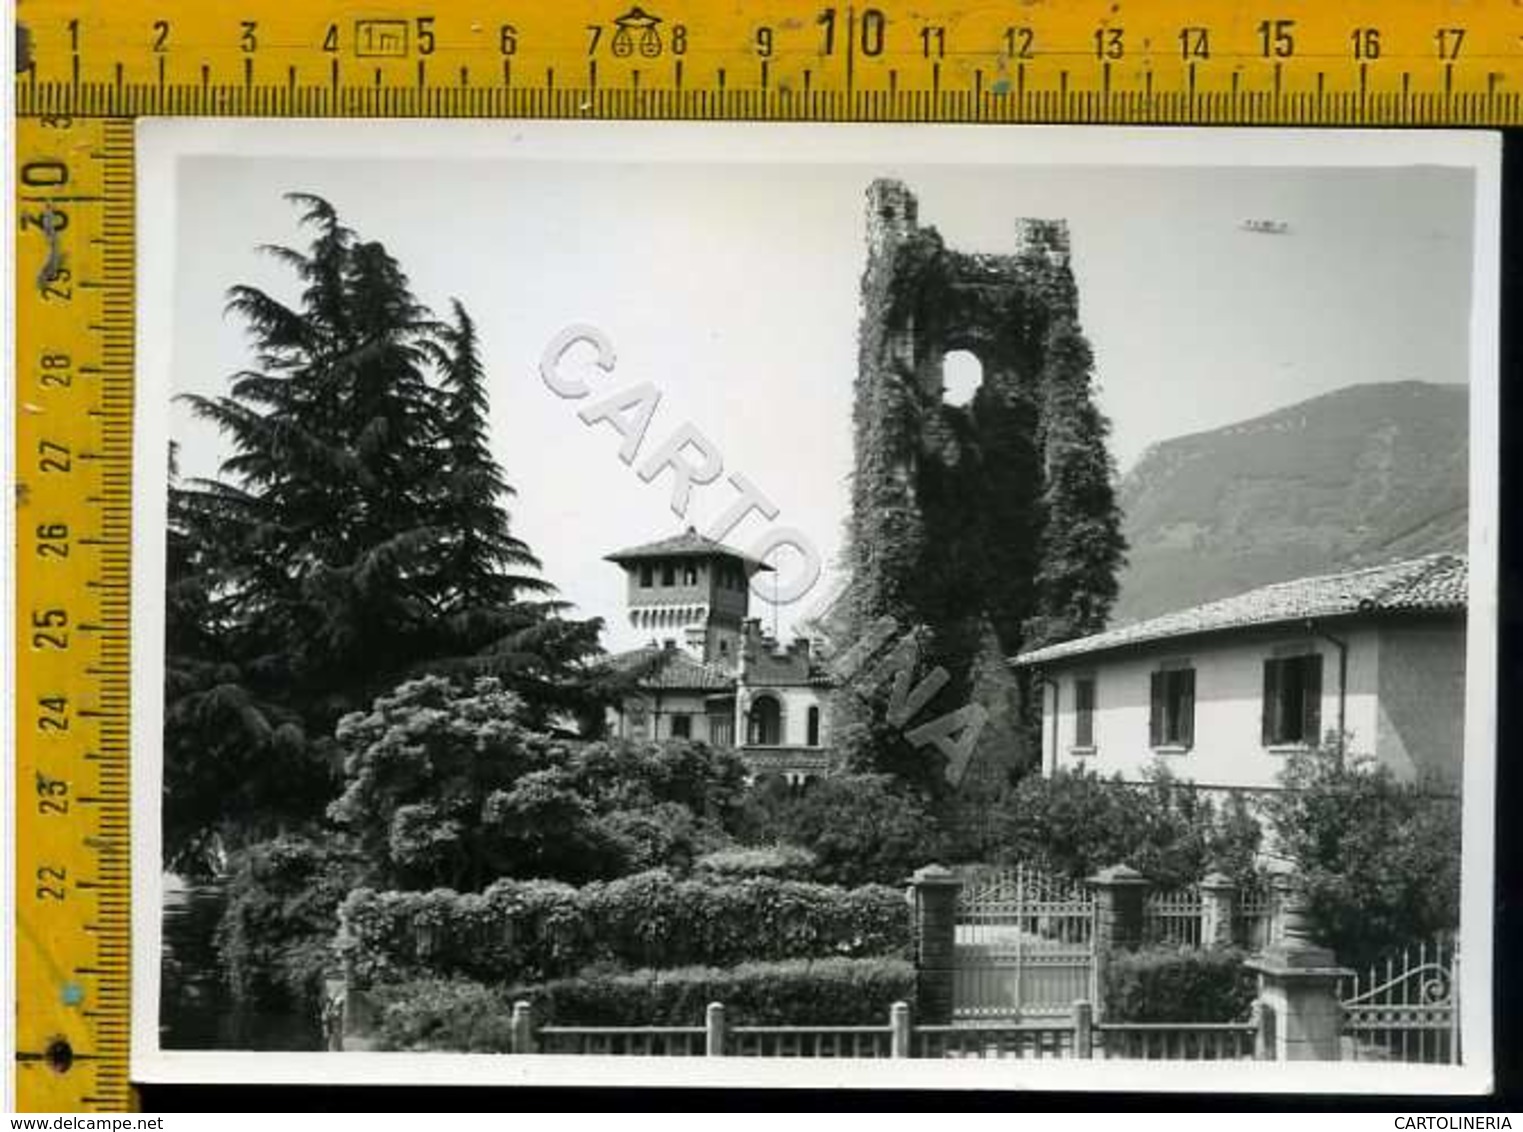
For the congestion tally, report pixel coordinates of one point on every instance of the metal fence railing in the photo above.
(1025, 944)
(1406, 1009)
(1024, 1041)
(623, 1041)
(1173, 917)
(1221, 1041)
(810, 1041)
(1074, 1036)
(1253, 917)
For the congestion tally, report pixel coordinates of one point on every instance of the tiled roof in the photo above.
(678, 672)
(688, 544)
(1434, 583)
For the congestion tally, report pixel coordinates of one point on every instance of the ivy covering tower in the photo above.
(987, 527)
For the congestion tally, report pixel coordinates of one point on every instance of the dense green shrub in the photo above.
(455, 787)
(457, 1015)
(764, 810)
(463, 1015)
(788, 862)
(862, 828)
(275, 938)
(665, 835)
(1168, 984)
(1378, 860)
(1075, 823)
(533, 930)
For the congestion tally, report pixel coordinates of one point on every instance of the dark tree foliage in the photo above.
(354, 537)
(480, 560)
(1081, 546)
(1075, 823)
(499, 613)
(227, 747)
(275, 938)
(1376, 859)
(861, 828)
(455, 788)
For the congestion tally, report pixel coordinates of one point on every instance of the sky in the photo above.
(734, 290)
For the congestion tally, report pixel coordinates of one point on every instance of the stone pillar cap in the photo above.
(1216, 880)
(1118, 874)
(1297, 963)
(934, 874)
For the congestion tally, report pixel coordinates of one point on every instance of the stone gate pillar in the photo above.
(933, 895)
(1298, 983)
(1218, 897)
(1119, 894)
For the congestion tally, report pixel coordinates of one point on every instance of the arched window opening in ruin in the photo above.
(961, 375)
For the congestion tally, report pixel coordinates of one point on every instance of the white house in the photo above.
(1221, 692)
(712, 675)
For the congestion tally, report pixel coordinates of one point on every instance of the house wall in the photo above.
(1421, 727)
(655, 722)
(1229, 689)
(794, 704)
(705, 617)
(725, 601)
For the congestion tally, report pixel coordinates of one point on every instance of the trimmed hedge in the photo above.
(1167, 984)
(529, 931)
(461, 1015)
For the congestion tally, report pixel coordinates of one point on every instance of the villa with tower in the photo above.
(709, 673)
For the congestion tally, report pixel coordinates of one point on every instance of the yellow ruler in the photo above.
(87, 68)
(74, 205)
(1384, 62)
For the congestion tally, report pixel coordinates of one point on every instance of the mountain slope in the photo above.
(1362, 475)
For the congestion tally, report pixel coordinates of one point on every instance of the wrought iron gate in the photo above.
(1406, 1009)
(1025, 944)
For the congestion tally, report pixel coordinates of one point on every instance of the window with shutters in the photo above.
(1292, 700)
(1084, 713)
(1171, 722)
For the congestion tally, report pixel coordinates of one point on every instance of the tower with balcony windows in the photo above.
(692, 591)
(709, 673)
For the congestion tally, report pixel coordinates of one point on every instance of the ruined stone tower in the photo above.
(991, 524)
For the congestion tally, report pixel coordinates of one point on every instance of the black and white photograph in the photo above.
(812, 605)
